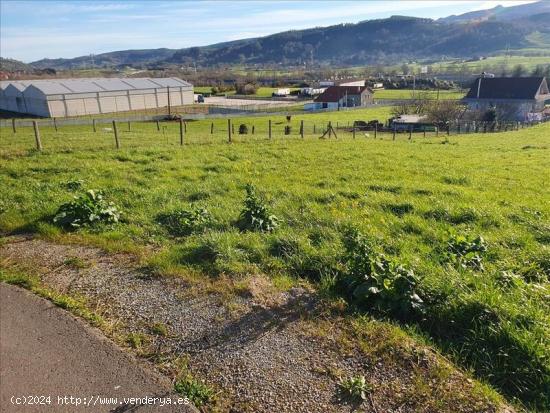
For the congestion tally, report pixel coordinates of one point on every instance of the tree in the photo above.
(246, 88)
(538, 71)
(442, 112)
(519, 71)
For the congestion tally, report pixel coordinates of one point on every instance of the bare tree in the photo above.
(443, 112)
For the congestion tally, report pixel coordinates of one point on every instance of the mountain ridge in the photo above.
(380, 41)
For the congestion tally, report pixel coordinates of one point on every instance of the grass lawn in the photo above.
(418, 204)
(261, 92)
(408, 94)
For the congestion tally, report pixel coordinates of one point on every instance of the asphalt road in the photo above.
(45, 351)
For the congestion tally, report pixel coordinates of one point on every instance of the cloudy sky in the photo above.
(31, 30)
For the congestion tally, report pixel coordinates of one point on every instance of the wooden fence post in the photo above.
(13, 125)
(302, 129)
(229, 130)
(158, 126)
(314, 131)
(185, 126)
(394, 131)
(410, 132)
(212, 128)
(269, 126)
(424, 130)
(93, 125)
(329, 130)
(129, 127)
(353, 131)
(232, 128)
(116, 135)
(37, 135)
(375, 130)
(55, 124)
(181, 131)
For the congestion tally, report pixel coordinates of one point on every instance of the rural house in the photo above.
(336, 97)
(522, 97)
(73, 97)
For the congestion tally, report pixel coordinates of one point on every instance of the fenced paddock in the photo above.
(107, 134)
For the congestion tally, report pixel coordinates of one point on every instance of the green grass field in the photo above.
(488, 311)
(261, 92)
(410, 94)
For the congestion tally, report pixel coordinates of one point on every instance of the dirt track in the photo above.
(45, 351)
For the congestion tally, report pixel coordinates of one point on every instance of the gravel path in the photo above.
(262, 359)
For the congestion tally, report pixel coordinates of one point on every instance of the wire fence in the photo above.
(49, 136)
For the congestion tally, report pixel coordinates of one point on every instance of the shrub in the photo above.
(255, 216)
(466, 251)
(184, 222)
(243, 129)
(86, 210)
(377, 282)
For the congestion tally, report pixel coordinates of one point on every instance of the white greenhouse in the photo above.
(73, 97)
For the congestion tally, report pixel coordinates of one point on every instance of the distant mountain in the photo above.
(383, 41)
(500, 13)
(111, 59)
(12, 65)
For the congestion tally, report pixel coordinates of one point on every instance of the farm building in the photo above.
(72, 97)
(336, 97)
(521, 98)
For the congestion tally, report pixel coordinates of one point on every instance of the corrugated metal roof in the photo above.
(335, 93)
(170, 82)
(51, 88)
(92, 85)
(506, 88)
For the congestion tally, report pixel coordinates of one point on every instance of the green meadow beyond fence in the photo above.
(52, 135)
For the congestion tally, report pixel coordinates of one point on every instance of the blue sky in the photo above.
(31, 30)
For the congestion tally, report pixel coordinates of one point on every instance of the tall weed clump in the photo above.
(377, 282)
(255, 215)
(87, 209)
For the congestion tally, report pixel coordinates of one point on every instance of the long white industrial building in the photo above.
(74, 97)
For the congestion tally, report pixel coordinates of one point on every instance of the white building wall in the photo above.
(68, 97)
(122, 103)
(37, 106)
(187, 97)
(57, 108)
